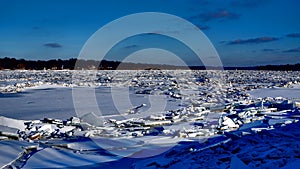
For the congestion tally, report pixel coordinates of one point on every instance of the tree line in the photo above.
(71, 64)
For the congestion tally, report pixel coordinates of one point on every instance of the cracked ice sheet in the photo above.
(134, 148)
(146, 146)
(126, 147)
(56, 158)
(123, 147)
(9, 150)
(12, 123)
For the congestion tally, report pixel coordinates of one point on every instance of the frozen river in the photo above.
(183, 140)
(58, 102)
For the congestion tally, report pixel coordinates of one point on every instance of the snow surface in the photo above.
(267, 149)
(9, 150)
(58, 103)
(274, 149)
(54, 158)
(291, 93)
(12, 123)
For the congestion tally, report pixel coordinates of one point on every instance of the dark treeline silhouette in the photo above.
(295, 67)
(58, 64)
(12, 63)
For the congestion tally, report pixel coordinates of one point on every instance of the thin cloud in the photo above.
(269, 50)
(292, 50)
(131, 46)
(220, 14)
(293, 35)
(203, 27)
(52, 45)
(247, 3)
(253, 40)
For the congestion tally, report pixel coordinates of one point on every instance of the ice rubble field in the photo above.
(209, 119)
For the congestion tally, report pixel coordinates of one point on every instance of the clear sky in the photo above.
(244, 32)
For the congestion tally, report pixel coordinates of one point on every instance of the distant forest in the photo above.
(58, 64)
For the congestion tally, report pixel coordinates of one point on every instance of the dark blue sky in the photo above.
(244, 32)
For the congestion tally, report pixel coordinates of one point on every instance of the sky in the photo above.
(243, 32)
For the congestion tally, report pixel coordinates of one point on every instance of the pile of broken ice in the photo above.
(213, 104)
(188, 122)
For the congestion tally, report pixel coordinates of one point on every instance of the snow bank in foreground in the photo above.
(274, 149)
(54, 158)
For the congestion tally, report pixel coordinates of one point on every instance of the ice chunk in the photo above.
(67, 129)
(75, 120)
(229, 122)
(92, 119)
(12, 123)
(48, 128)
